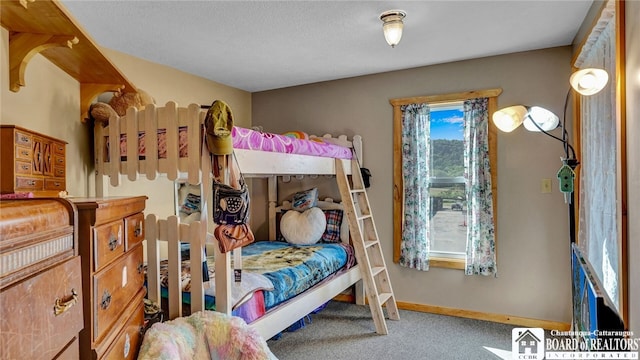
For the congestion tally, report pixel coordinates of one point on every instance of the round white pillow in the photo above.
(303, 228)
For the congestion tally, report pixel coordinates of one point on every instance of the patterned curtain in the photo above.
(414, 249)
(481, 246)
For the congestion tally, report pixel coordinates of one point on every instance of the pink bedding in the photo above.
(256, 140)
(245, 139)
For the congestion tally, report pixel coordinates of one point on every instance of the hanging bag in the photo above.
(231, 212)
(231, 205)
(233, 236)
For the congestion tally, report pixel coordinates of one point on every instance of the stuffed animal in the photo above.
(118, 105)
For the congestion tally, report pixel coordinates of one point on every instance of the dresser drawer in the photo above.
(54, 184)
(29, 183)
(23, 139)
(114, 287)
(24, 153)
(29, 326)
(58, 160)
(135, 230)
(23, 167)
(127, 343)
(58, 148)
(108, 243)
(59, 171)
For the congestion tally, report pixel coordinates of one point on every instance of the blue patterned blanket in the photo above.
(293, 268)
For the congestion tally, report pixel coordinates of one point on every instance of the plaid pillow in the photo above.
(334, 221)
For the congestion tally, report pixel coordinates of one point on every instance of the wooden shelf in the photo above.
(47, 28)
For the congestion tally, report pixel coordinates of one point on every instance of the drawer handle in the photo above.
(138, 231)
(113, 242)
(31, 182)
(25, 167)
(24, 139)
(127, 345)
(106, 300)
(25, 153)
(56, 184)
(61, 306)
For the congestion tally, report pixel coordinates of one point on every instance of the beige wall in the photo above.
(632, 33)
(533, 246)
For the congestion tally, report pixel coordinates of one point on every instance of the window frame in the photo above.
(398, 183)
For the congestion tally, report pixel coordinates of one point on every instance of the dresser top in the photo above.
(104, 209)
(26, 218)
(15, 127)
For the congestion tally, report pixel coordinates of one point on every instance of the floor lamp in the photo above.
(538, 119)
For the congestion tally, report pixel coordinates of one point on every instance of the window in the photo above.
(602, 216)
(447, 193)
(446, 181)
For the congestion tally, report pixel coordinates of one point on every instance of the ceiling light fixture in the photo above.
(392, 26)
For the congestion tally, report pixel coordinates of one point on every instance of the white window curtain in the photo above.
(597, 224)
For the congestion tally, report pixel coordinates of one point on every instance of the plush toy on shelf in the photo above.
(100, 112)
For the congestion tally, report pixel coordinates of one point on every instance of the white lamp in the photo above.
(392, 26)
(589, 81)
(508, 119)
(540, 119)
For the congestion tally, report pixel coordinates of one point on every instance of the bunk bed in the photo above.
(169, 141)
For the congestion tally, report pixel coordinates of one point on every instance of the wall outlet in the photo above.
(545, 186)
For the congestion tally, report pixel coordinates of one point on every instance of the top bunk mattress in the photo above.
(243, 138)
(249, 139)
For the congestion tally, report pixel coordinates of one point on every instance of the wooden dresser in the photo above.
(38, 162)
(41, 295)
(111, 231)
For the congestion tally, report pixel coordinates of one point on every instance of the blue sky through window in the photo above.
(447, 124)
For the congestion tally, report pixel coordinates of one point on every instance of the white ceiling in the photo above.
(263, 45)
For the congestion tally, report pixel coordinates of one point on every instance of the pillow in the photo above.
(304, 200)
(303, 228)
(334, 224)
(191, 204)
(344, 224)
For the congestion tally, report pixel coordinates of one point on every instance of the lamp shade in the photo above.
(509, 118)
(392, 26)
(589, 81)
(545, 119)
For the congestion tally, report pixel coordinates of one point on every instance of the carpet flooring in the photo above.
(346, 331)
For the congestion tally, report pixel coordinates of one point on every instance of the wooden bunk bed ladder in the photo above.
(366, 243)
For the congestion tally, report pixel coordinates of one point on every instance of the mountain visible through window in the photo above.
(446, 184)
